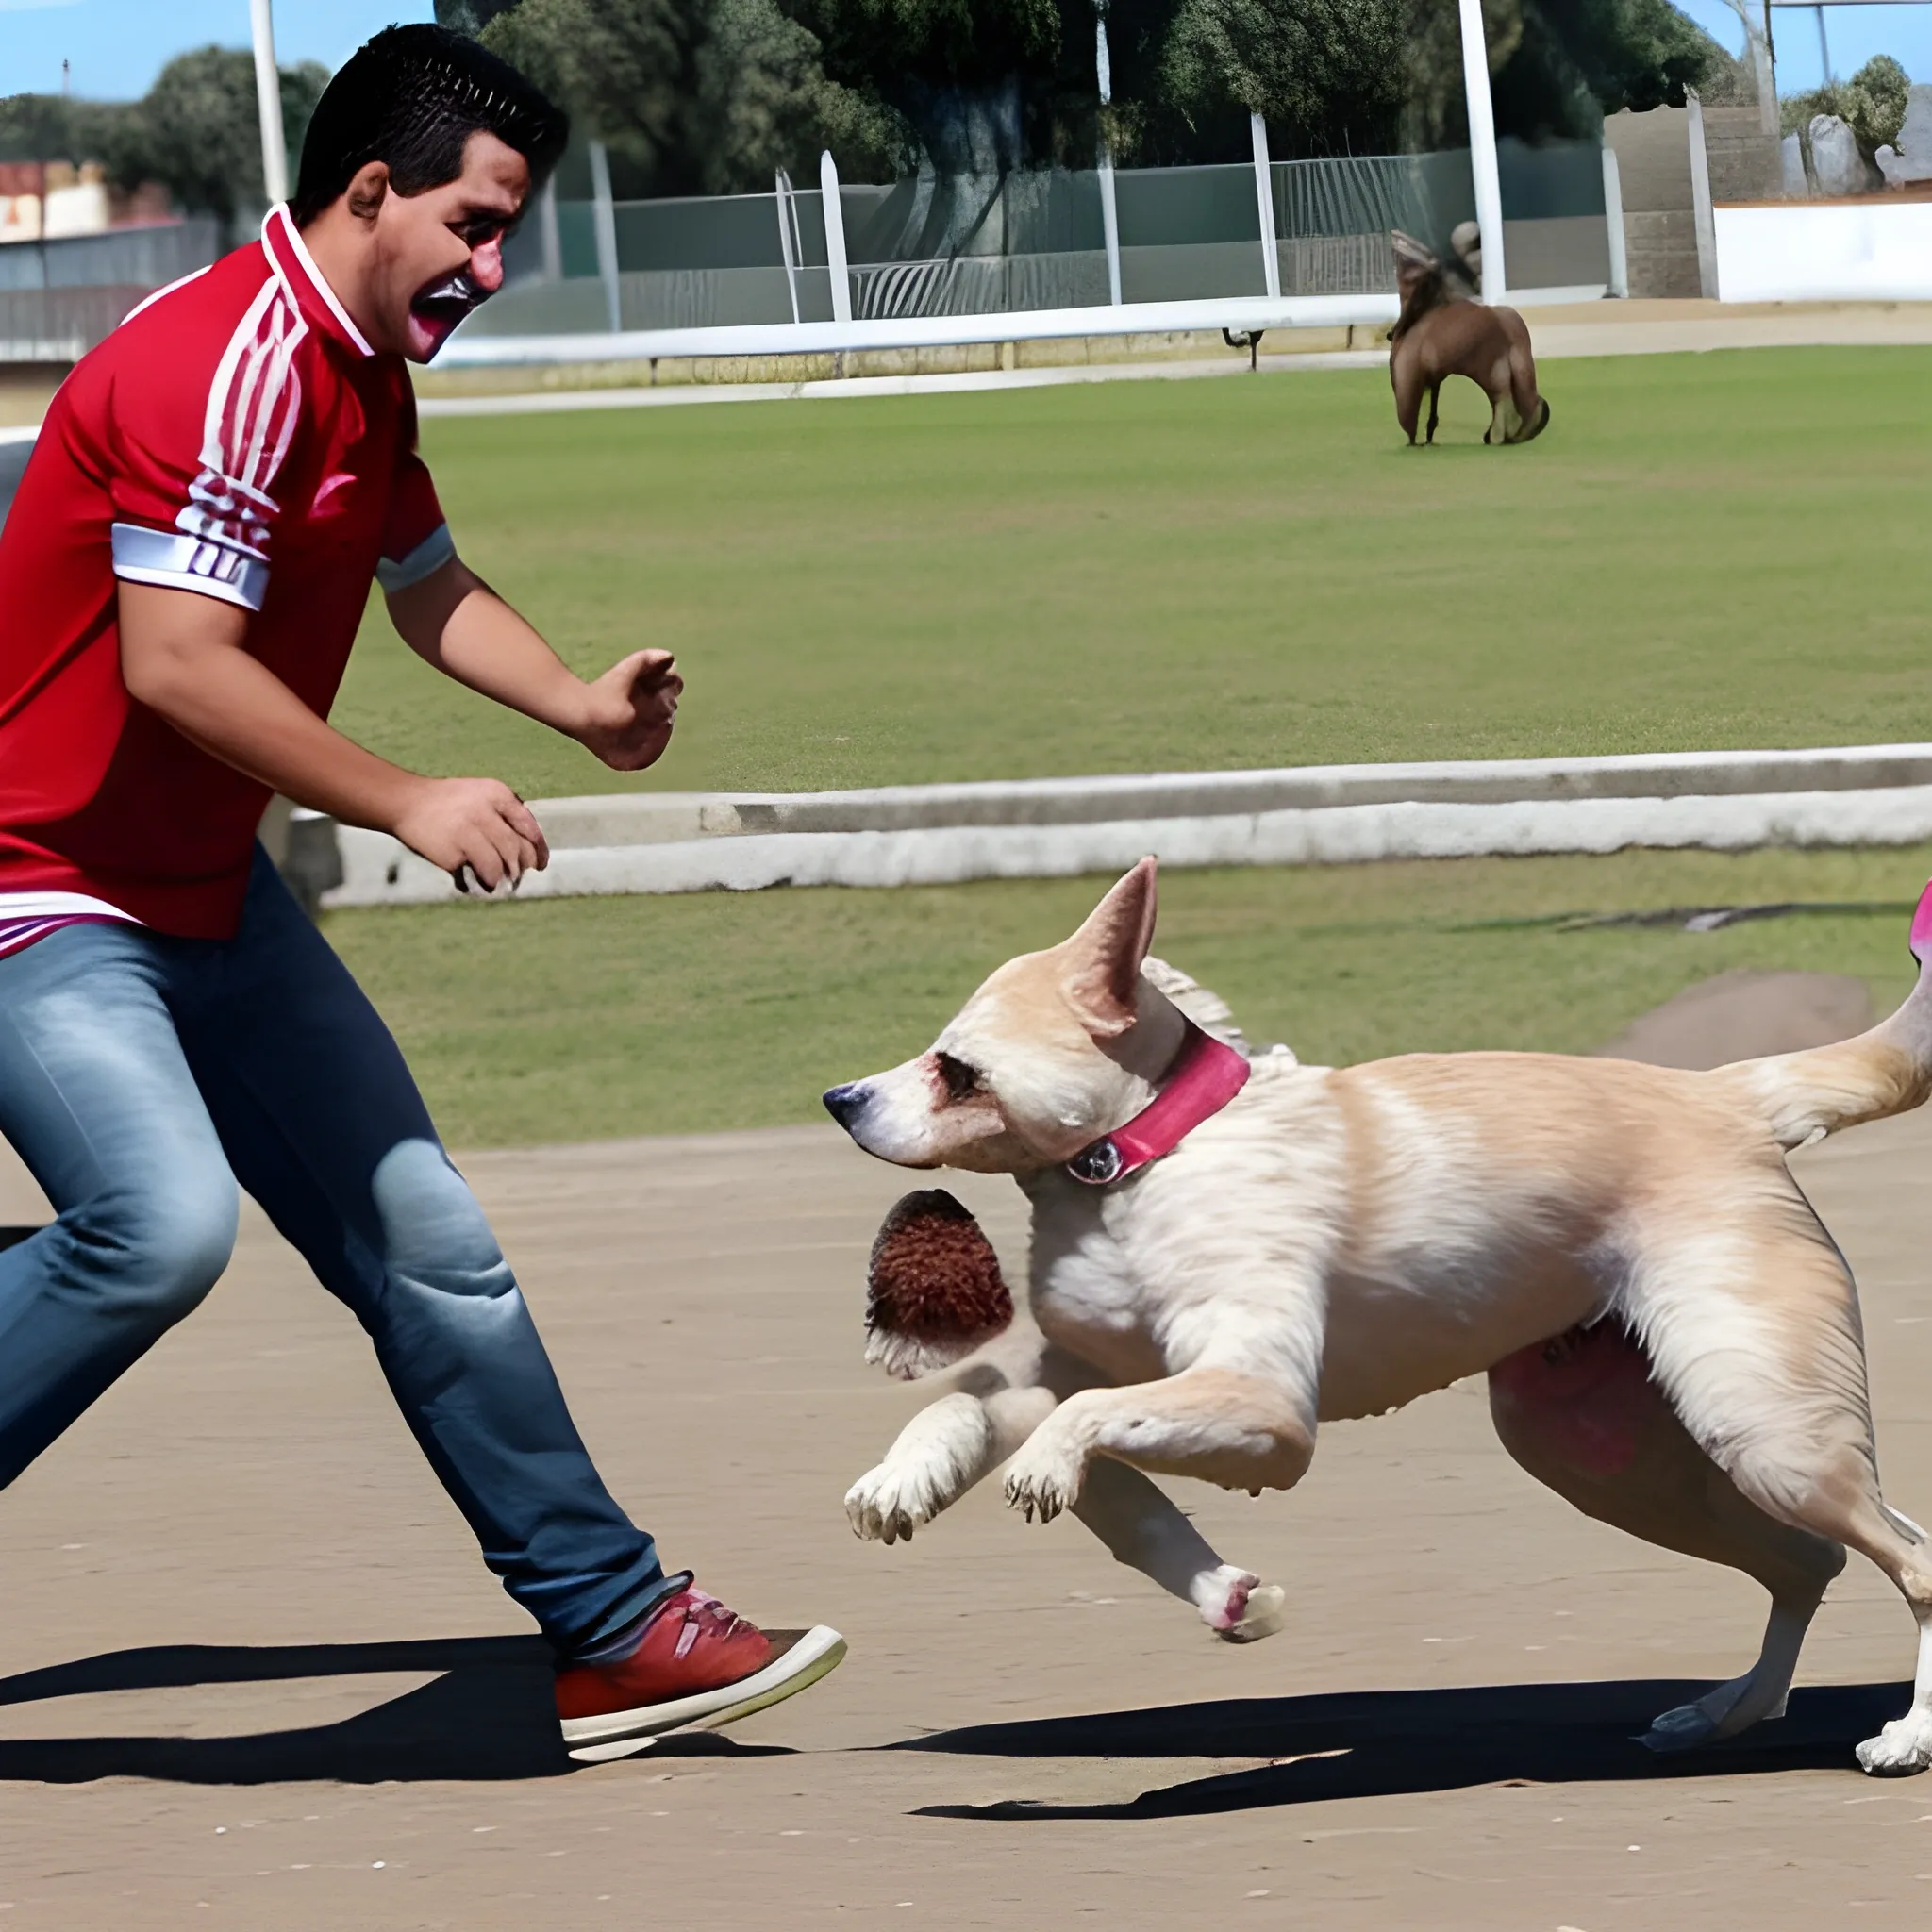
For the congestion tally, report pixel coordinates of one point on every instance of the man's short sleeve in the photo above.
(416, 542)
(192, 465)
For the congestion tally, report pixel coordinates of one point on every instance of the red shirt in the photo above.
(235, 437)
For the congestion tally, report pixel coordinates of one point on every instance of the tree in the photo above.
(698, 96)
(1558, 66)
(1326, 74)
(198, 131)
(1873, 104)
(966, 76)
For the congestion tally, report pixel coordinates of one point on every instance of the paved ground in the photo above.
(255, 1676)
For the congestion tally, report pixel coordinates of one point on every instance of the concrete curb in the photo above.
(855, 387)
(1045, 828)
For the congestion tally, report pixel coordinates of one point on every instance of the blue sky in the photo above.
(117, 46)
(1853, 33)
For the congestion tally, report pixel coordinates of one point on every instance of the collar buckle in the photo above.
(1097, 1164)
(1204, 1076)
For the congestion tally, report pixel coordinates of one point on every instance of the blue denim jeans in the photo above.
(142, 1077)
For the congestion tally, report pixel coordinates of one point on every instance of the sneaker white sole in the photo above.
(810, 1655)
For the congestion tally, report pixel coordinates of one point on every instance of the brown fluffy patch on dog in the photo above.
(934, 1289)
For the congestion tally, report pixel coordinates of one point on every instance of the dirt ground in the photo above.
(255, 1676)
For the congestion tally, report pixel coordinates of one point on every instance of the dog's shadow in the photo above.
(1384, 1743)
(488, 1715)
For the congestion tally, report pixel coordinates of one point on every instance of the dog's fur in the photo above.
(1673, 1339)
(1443, 331)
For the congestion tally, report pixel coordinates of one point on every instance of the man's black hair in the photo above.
(411, 98)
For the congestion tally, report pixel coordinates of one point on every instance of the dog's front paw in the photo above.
(886, 1504)
(1903, 1746)
(1236, 1606)
(1040, 1483)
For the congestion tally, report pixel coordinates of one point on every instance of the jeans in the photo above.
(142, 1077)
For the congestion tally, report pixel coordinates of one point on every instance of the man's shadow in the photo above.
(488, 1715)
(1372, 1744)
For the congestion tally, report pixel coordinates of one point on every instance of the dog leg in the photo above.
(1405, 378)
(1753, 1330)
(939, 1456)
(1582, 1414)
(1143, 1530)
(1219, 1424)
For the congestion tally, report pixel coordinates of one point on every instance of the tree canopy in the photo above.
(197, 130)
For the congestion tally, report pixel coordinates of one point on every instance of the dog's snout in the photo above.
(847, 1103)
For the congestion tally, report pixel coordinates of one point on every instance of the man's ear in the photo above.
(1104, 957)
(368, 187)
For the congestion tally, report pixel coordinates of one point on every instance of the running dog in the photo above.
(1444, 331)
(1229, 1249)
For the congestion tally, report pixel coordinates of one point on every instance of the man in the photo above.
(183, 571)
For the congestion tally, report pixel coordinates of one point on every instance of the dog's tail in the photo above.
(1532, 412)
(1805, 1096)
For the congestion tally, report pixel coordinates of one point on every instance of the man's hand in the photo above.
(455, 621)
(455, 822)
(630, 709)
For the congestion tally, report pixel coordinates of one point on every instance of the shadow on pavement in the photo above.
(488, 1716)
(1381, 1743)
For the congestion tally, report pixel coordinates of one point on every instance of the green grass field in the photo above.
(584, 1019)
(1704, 550)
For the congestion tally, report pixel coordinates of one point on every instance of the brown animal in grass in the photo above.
(1444, 331)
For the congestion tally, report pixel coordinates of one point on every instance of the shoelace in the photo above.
(704, 1615)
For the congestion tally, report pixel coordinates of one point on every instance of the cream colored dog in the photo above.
(1671, 1339)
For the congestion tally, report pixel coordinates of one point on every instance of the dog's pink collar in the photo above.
(1206, 1075)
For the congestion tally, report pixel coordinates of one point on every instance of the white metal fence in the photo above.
(1104, 251)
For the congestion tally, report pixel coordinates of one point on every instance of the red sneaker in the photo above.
(698, 1662)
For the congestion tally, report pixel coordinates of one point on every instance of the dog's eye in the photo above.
(961, 1080)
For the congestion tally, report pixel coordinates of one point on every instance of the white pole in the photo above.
(835, 237)
(1700, 198)
(781, 195)
(1110, 212)
(268, 101)
(1264, 197)
(548, 234)
(1613, 222)
(1482, 149)
(604, 217)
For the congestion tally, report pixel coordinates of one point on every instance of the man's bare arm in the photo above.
(182, 657)
(455, 621)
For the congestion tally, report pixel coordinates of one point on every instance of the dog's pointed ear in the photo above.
(1104, 957)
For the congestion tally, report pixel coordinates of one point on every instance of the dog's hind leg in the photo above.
(1143, 1529)
(1751, 1324)
(1582, 1414)
(1405, 378)
(1532, 412)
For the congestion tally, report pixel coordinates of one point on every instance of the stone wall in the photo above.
(1653, 153)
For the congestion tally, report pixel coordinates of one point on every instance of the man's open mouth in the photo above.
(444, 304)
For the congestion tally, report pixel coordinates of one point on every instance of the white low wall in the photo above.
(1849, 251)
(377, 871)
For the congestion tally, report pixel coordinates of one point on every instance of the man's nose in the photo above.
(486, 266)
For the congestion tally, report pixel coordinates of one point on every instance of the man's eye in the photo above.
(961, 1080)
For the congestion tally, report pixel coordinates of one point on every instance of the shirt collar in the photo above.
(1206, 1075)
(296, 271)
